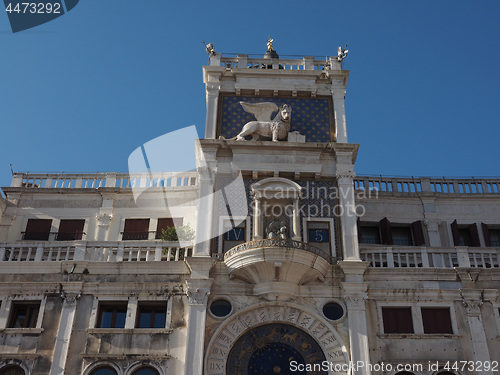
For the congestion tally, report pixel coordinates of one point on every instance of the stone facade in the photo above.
(296, 261)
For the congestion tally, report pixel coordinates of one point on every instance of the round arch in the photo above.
(12, 369)
(95, 366)
(228, 333)
(137, 366)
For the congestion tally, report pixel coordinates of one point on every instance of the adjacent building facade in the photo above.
(286, 262)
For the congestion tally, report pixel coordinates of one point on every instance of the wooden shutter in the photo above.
(397, 320)
(455, 232)
(474, 235)
(38, 229)
(167, 222)
(70, 230)
(385, 231)
(136, 229)
(436, 320)
(486, 234)
(418, 233)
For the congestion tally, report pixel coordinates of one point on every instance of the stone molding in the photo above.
(198, 291)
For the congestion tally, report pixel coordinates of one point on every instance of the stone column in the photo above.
(296, 220)
(257, 218)
(197, 292)
(472, 301)
(212, 91)
(348, 218)
(338, 95)
(355, 294)
(64, 333)
(204, 224)
(103, 221)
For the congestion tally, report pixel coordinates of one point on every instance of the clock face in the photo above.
(274, 349)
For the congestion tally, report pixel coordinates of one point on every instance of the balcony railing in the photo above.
(246, 62)
(428, 257)
(413, 185)
(143, 251)
(286, 243)
(99, 180)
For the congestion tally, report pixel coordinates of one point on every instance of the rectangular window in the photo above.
(318, 231)
(369, 234)
(402, 236)
(234, 236)
(465, 235)
(491, 235)
(38, 229)
(112, 315)
(169, 222)
(397, 319)
(70, 230)
(24, 314)
(384, 232)
(436, 320)
(136, 229)
(151, 315)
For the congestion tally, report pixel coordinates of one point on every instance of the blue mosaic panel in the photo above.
(318, 200)
(310, 117)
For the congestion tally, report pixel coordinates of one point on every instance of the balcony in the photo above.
(430, 257)
(277, 266)
(91, 251)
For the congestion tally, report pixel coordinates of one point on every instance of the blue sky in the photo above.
(80, 93)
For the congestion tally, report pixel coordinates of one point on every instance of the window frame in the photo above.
(418, 325)
(155, 306)
(331, 224)
(225, 222)
(81, 235)
(114, 305)
(6, 310)
(176, 221)
(396, 309)
(144, 234)
(49, 233)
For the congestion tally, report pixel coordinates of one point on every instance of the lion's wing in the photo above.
(261, 111)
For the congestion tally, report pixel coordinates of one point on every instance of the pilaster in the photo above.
(472, 301)
(197, 292)
(348, 216)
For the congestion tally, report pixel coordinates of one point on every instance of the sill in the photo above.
(417, 336)
(21, 331)
(129, 330)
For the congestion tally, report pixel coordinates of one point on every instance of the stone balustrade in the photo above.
(414, 185)
(246, 62)
(100, 180)
(430, 257)
(140, 251)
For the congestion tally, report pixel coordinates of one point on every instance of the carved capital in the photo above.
(355, 301)
(198, 296)
(206, 173)
(70, 298)
(472, 307)
(338, 93)
(347, 174)
(104, 219)
(432, 225)
(198, 291)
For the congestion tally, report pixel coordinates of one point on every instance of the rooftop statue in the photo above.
(276, 129)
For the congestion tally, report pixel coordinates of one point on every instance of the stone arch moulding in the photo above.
(94, 365)
(16, 362)
(243, 321)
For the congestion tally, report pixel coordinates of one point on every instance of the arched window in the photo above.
(146, 371)
(12, 370)
(103, 370)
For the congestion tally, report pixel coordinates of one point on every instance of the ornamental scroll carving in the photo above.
(198, 296)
